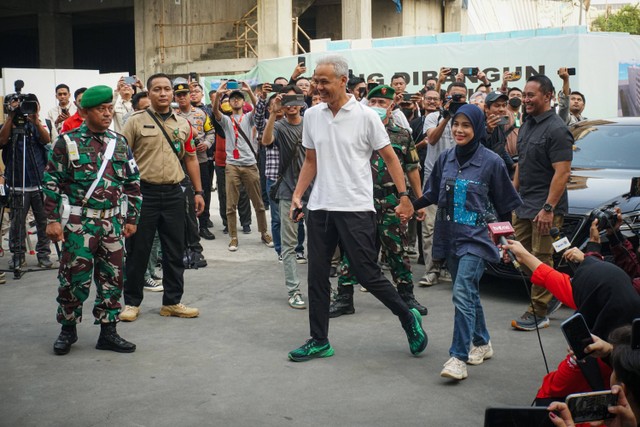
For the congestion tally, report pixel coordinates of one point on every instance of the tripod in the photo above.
(18, 197)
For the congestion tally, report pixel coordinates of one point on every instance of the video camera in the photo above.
(27, 103)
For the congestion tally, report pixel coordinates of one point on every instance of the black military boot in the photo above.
(67, 337)
(343, 304)
(406, 293)
(110, 340)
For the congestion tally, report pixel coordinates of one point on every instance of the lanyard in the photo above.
(235, 127)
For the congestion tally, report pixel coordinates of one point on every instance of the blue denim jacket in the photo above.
(465, 195)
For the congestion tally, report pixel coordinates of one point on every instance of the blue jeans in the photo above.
(274, 208)
(469, 324)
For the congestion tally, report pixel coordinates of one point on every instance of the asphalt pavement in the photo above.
(229, 366)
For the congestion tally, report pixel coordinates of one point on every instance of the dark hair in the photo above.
(575, 92)
(290, 88)
(278, 78)
(135, 101)
(211, 92)
(354, 81)
(546, 87)
(456, 84)
(513, 89)
(398, 76)
(78, 91)
(198, 85)
(157, 76)
(62, 86)
(625, 361)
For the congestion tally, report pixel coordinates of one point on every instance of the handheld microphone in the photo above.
(560, 244)
(498, 232)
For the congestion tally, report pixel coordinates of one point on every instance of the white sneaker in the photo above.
(479, 354)
(429, 279)
(455, 369)
(296, 301)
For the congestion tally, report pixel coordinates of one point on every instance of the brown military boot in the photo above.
(179, 310)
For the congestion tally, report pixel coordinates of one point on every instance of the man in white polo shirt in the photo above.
(340, 135)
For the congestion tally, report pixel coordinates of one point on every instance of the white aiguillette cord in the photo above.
(108, 153)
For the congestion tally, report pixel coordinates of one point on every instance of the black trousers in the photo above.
(163, 209)
(205, 180)
(357, 234)
(19, 226)
(244, 208)
(192, 238)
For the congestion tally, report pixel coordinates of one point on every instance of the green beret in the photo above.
(96, 95)
(382, 91)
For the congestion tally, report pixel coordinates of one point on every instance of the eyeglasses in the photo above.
(178, 95)
(432, 98)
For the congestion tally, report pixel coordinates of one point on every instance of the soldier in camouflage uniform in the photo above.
(93, 236)
(392, 234)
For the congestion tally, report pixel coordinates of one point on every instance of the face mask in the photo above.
(382, 112)
(515, 102)
(407, 112)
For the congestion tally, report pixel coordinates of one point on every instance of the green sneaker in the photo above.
(415, 334)
(311, 350)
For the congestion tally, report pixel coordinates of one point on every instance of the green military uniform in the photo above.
(392, 234)
(93, 240)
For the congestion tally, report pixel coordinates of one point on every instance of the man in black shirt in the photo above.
(541, 176)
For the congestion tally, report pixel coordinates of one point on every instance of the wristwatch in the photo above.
(547, 207)
(199, 193)
(403, 193)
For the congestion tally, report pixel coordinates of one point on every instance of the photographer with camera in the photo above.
(624, 255)
(58, 114)
(437, 128)
(23, 140)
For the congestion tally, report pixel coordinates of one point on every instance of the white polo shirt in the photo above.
(343, 146)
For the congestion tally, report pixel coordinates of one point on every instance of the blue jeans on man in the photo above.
(469, 324)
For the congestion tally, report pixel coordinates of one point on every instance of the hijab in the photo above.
(476, 117)
(604, 295)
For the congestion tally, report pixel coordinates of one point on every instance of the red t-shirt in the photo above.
(72, 122)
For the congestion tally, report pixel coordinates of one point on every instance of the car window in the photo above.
(615, 147)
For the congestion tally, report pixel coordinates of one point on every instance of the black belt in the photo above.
(158, 187)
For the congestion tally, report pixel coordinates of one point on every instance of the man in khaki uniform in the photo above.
(159, 139)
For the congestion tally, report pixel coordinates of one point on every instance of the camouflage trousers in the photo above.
(391, 238)
(92, 248)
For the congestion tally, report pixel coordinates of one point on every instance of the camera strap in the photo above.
(166, 135)
(241, 132)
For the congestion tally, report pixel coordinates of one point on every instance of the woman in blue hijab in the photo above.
(469, 183)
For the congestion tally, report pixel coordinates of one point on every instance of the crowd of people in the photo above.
(365, 174)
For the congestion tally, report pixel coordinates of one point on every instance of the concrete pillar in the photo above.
(421, 17)
(456, 18)
(55, 34)
(356, 19)
(275, 28)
